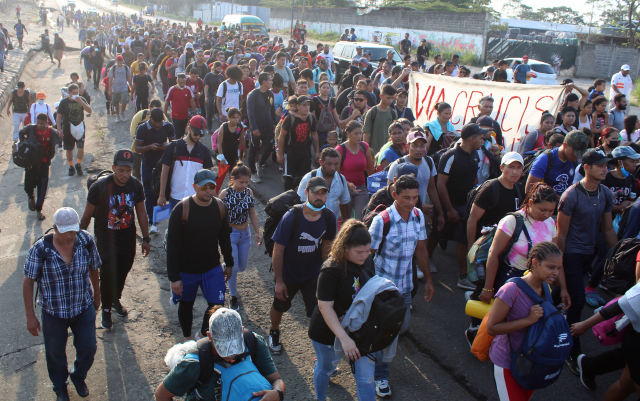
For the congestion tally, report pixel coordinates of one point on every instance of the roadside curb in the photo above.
(7, 86)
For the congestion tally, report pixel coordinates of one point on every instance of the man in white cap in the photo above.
(621, 82)
(65, 264)
(226, 344)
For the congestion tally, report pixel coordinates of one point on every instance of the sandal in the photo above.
(32, 204)
(41, 216)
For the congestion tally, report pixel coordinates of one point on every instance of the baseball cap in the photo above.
(406, 169)
(225, 328)
(415, 135)
(204, 177)
(578, 141)
(625, 151)
(625, 67)
(123, 157)
(305, 47)
(66, 219)
(472, 129)
(595, 156)
(303, 99)
(525, 57)
(188, 46)
(317, 183)
(389, 51)
(119, 58)
(358, 47)
(197, 124)
(511, 157)
(41, 95)
(485, 121)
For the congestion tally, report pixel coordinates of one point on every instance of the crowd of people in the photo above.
(552, 206)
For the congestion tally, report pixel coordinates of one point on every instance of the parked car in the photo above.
(343, 53)
(544, 74)
(149, 10)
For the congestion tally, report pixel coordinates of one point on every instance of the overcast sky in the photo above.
(536, 4)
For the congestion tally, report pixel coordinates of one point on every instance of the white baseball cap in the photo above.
(66, 219)
(188, 46)
(625, 67)
(225, 328)
(511, 157)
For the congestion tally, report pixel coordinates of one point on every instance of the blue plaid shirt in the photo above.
(394, 260)
(64, 292)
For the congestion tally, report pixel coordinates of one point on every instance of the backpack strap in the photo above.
(185, 209)
(386, 227)
(530, 291)
(297, 218)
(519, 228)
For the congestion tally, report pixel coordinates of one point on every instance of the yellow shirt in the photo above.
(134, 68)
(137, 119)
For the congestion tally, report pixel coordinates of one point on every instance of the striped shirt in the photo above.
(185, 166)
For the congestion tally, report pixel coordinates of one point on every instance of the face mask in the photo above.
(614, 144)
(74, 97)
(41, 101)
(625, 173)
(315, 209)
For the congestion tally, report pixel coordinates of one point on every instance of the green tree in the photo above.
(561, 15)
(518, 10)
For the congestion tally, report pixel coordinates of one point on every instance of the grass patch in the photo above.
(635, 93)
(324, 37)
(98, 134)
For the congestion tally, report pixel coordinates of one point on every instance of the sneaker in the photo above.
(336, 372)
(198, 335)
(572, 364)
(153, 229)
(382, 388)
(274, 342)
(464, 283)
(589, 381)
(258, 170)
(420, 274)
(79, 169)
(255, 178)
(594, 300)
(467, 295)
(233, 303)
(120, 310)
(105, 321)
(432, 266)
(117, 118)
(72, 171)
(470, 335)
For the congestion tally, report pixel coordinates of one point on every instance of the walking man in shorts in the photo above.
(119, 77)
(302, 242)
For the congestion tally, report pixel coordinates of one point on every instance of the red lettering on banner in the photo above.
(441, 97)
(523, 112)
(499, 108)
(505, 112)
(454, 107)
(539, 109)
(471, 107)
(420, 104)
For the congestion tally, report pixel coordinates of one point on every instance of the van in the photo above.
(246, 22)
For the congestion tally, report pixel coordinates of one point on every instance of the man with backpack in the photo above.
(397, 234)
(302, 242)
(70, 120)
(211, 83)
(378, 119)
(338, 197)
(261, 112)
(556, 167)
(584, 208)
(37, 176)
(69, 298)
(119, 78)
(114, 201)
(230, 92)
(294, 143)
(232, 362)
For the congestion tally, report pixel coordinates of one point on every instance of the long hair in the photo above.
(541, 251)
(352, 233)
(540, 192)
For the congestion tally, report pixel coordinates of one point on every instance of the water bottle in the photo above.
(632, 196)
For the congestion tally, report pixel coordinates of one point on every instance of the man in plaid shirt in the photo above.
(65, 264)
(406, 237)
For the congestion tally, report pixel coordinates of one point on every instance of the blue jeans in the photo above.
(55, 333)
(150, 198)
(382, 368)
(173, 202)
(575, 266)
(326, 361)
(240, 244)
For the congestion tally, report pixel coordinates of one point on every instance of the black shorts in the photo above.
(450, 231)
(631, 348)
(297, 165)
(69, 142)
(308, 291)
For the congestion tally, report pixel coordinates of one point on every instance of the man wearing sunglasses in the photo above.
(180, 166)
(197, 225)
(355, 110)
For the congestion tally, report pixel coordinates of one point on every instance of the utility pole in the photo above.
(303, 4)
(292, 18)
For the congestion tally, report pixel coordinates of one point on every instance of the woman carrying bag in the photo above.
(339, 281)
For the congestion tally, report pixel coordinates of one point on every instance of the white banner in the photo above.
(517, 108)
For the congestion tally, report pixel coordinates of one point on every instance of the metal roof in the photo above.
(544, 26)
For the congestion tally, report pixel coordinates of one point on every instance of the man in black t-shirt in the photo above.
(71, 112)
(140, 89)
(294, 144)
(114, 201)
(211, 83)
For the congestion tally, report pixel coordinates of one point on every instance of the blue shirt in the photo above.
(560, 176)
(594, 94)
(520, 72)
(338, 191)
(302, 258)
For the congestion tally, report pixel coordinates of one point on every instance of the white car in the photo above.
(544, 74)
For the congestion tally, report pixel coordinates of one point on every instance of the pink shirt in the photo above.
(539, 231)
(354, 165)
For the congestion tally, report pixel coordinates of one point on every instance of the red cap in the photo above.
(119, 58)
(197, 123)
(525, 57)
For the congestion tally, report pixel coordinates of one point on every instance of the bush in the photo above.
(324, 36)
(635, 93)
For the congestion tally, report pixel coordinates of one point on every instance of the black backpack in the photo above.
(275, 209)
(92, 179)
(495, 197)
(156, 173)
(624, 219)
(29, 152)
(383, 323)
(620, 266)
(529, 158)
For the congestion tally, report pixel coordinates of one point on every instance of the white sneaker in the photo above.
(153, 229)
(465, 284)
(258, 170)
(432, 266)
(420, 274)
(255, 178)
(117, 118)
(382, 388)
(467, 295)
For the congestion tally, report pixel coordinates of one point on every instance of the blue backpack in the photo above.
(241, 380)
(538, 362)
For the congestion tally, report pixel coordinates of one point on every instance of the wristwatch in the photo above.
(281, 394)
(146, 239)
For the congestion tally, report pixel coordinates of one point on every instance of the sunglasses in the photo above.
(208, 187)
(358, 99)
(193, 132)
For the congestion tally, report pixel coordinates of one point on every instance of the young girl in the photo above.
(512, 314)
(339, 282)
(631, 131)
(600, 118)
(231, 138)
(241, 208)
(332, 140)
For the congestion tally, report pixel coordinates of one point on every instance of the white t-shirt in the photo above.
(622, 83)
(634, 136)
(232, 96)
(328, 57)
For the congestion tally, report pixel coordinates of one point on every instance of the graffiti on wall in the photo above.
(560, 57)
(440, 41)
